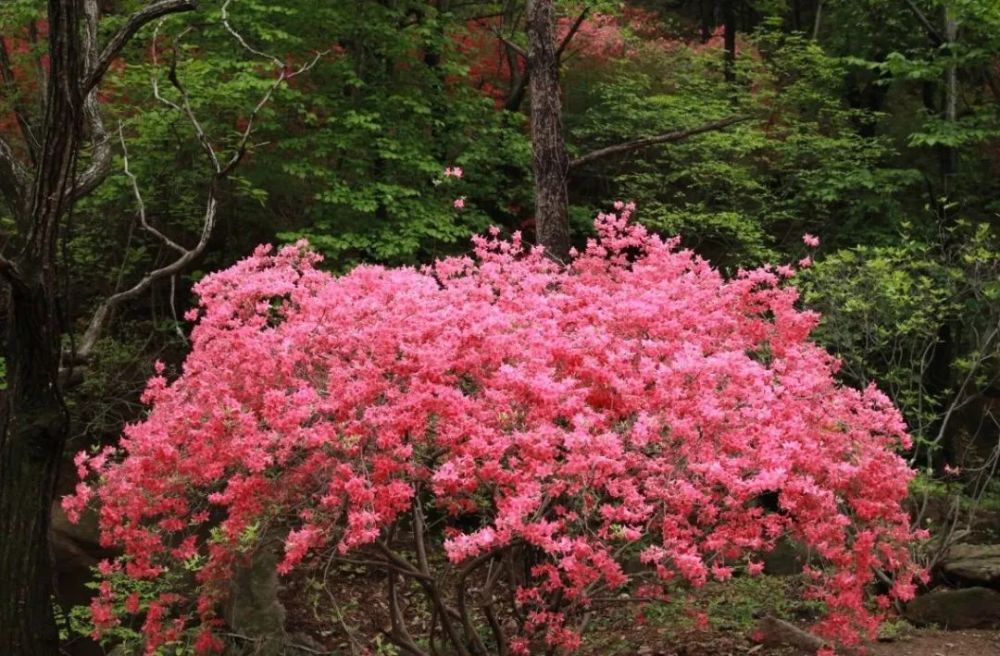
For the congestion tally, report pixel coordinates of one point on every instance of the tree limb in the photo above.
(669, 137)
(100, 161)
(103, 313)
(510, 44)
(932, 32)
(15, 180)
(780, 632)
(134, 23)
(20, 112)
(220, 171)
(10, 272)
(572, 32)
(140, 205)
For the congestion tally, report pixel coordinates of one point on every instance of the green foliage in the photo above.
(882, 311)
(130, 638)
(738, 194)
(895, 629)
(887, 309)
(368, 156)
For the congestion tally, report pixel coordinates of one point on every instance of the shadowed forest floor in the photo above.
(918, 642)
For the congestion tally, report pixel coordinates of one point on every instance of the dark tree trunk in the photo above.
(32, 433)
(33, 419)
(729, 37)
(551, 162)
(707, 16)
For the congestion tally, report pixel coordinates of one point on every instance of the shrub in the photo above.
(630, 407)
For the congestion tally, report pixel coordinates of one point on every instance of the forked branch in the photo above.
(220, 170)
(133, 24)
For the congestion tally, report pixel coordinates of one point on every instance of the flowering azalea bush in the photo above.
(619, 423)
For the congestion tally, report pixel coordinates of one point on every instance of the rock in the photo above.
(254, 609)
(966, 608)
(85, 532)
(973, 562)
(786, 559)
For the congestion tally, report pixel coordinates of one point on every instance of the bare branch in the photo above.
(219, 170)
(669, 137)
(154, 56)
(103, 312)
(241, 147)
(140, 205)
(195, 123)
(572, 32)
(510, 44)
(932, 33)
(20, 111)
(818, 20)
(239, 37)
(283, 75)
(134, 23)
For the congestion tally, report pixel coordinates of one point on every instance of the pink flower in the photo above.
(459, 203)
(619, 398)
(453, 172)
(952, 471)
(806, 262)
(812, 241)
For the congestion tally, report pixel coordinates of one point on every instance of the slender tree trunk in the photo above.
(729, 38)
(707, 19)
(950, 98)
(551, 162)
(817, 20)
(33, 419)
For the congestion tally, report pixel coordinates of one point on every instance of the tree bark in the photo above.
(33, 419)
(551, 162)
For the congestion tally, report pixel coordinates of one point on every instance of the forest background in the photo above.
(874, 124)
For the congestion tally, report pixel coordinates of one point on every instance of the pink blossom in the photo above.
(812, 241)
(459, 203)
(619, 399)
(453, 172)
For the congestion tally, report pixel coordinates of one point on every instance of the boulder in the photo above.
(786, 559)
(973, 562)
(966, 608)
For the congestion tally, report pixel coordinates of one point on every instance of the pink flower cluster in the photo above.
(633, 402)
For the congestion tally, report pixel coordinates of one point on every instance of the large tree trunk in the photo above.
(551, 163)
(33, 427)
(33, 419)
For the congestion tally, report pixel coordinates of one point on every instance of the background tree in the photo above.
(40, 195)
